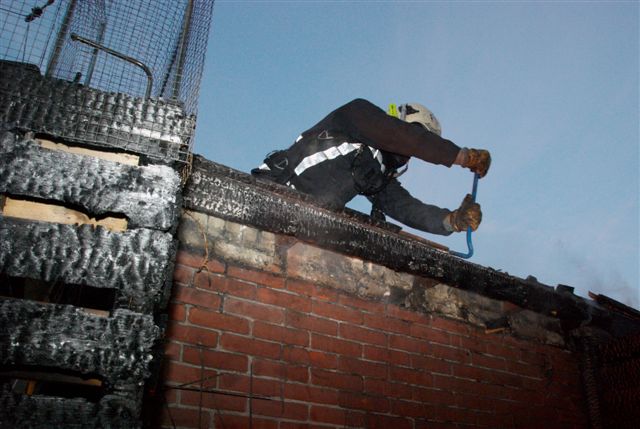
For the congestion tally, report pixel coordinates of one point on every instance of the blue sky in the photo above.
(550, 88)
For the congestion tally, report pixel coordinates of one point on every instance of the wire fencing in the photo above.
(136, 67)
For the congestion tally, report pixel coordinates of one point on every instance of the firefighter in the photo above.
(360, 149)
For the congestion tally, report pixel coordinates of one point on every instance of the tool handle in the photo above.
(469, 253)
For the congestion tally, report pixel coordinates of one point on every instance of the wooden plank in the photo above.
(23, 411)
(148, 196)
(121, 157)
(65, 338)
(137, 263)
(43, 212)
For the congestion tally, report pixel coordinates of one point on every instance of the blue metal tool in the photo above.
(469, 243)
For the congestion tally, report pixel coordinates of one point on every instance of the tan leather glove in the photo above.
(477, 160)
(467, 215)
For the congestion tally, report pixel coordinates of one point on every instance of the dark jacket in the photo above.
(357, 149)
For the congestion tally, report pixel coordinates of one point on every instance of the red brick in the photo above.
(193, 296)
(334, 345)
(457, 415)
(280, 370)
(487, 375)
(433, 396)
(281, 334)
(473, 344)
(453, 384)
(191, 334)
(246, 384)
(411, 376)
(337, 416)
(431, 364)
(363, 335)
(170, 396)
(474, 402)
(259, 277)
(358, 401)
(336, 380)
(310, 394)
(379, 387)
(213, 401)
(450, 353)
(311, 323)
(198, 261)
(312, 290)
(177, 312)
(361, 304)
(338, 312)
(488, 361)
(216, 359)
(377, 421)
(449, 325)
(217, 320)
(410, 409)
(284, 299)
(183, 274)
(296, 355)
(230, 421)
(362, 367)
(281, 409)
(408, 344)
(386, 355)
(323, 360)
(387, 324)
(178, 373)
(218, 283)
(173, 351)
(397, 312)
(428, 333)
(254, 310)
(250, 346)
(183, 417)
(496, 349)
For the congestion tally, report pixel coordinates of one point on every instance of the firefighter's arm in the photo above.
(399, 204)
(373, 126)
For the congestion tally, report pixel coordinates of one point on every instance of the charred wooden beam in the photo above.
(149, 196)
(31, 102)
(137, 263)
(117, 348)
(22, 411)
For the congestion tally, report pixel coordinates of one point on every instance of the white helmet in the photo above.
(414, 112)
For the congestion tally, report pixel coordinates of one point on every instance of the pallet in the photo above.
(87, 244)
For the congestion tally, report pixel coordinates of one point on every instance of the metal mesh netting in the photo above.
(148, 52)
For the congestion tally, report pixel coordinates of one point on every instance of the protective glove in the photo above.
(477, 160)
(467, 215)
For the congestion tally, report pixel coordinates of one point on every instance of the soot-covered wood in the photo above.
(116, 348)
(137, 263)
(31, 102)
(149, 196)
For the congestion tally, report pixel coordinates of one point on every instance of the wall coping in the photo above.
(223, 192)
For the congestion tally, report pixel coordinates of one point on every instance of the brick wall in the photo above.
(269, 332)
